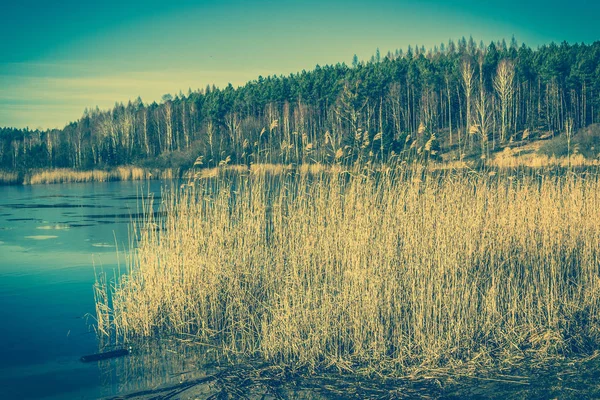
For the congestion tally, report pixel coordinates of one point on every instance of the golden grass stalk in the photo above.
(507, 159)
(125, 173)
(9, 178)
(389, 270)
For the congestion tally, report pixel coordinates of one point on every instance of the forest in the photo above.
(455, 101)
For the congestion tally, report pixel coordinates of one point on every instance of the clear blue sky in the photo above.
(57, 58)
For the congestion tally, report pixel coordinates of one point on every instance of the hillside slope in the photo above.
(461, 101)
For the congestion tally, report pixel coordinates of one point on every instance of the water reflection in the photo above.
(155, 364)
(176, 368)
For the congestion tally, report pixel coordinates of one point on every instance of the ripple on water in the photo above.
(41, 237)
(57, 227)
(58, 205)
(103, 245)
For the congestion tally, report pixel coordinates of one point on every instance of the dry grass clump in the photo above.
(270, 169)
(65, 175)
(205, 173)
(313, 169)
(384, 270)
(9, 178)
(165, 174)
(261, 169)
(510, 158)
(131, 174)
(449, 165)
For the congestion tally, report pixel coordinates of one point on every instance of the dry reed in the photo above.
(510, 158)
(385, 271)
(65, 175)
(9, 178)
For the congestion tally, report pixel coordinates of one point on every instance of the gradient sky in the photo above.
(57, 58)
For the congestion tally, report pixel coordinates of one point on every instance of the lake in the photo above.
(52, 237)
(52, 240)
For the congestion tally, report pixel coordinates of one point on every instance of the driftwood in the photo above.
(105, 356)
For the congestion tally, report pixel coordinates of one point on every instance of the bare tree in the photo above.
(429, 106)
(503, 83)
(50, 147)
(168, 115)
(394, 99)
(79, 139)
(127, 125)
(569, 132)
(184, 124)
(107, 129)
(349, 108)
(482, 112)
(467, 75)
(232, 122)
(210, 134)
(145, 129)
(482, 120)
(447, 80)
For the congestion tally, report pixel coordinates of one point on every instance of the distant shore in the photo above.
(506, 159)
(66, 175)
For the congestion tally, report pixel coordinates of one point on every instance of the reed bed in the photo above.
(261, 169)
(65, 175)
(511, 159)
(9, 178)
(365, 271)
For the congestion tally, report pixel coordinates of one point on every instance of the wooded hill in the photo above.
(456, 100)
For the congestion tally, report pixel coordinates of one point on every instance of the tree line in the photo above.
(460, 98)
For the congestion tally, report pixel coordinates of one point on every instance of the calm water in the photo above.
(51, 239)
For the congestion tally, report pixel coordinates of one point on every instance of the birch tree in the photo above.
(467, 76)
(503, 84)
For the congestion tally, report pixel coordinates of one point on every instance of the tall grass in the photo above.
(64, 175)
(512, 159)
(383, 270)
(9, 178)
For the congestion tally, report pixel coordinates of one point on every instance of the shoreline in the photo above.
(67, 175)
(527, 378)
(503, 160)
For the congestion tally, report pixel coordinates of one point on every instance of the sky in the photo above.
(58, 58)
